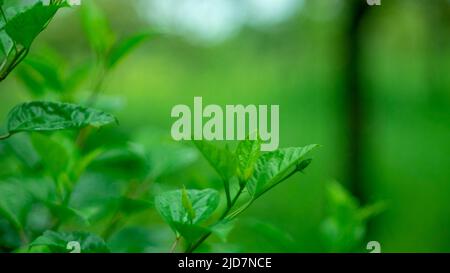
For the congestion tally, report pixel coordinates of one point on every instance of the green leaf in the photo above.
(187, 205)
(57, 242)
(54, 156)
(6, 48)
(170, 206)
(52, 116)
(190, 233)
(247, 152)
(26, 25)
(222, 160)
(23, 22)
(121, 49)
(272, 167)
(97, 28)
(303, 165)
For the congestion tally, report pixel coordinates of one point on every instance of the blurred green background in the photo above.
(294, 53)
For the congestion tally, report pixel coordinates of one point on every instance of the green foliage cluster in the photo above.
(49, 158)
(20, 24)
(246, 175)
(64, 186)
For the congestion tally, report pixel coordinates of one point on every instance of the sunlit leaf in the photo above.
(272, 167)
(170, 206)
(221, 159)
(247, 152)
(187, 205)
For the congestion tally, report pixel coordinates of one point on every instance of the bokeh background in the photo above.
(370, 84)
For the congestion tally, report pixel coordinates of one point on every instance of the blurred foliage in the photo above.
(115, 173)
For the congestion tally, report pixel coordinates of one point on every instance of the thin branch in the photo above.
(193, 247)
(3, 15)
(17, 59)
(6, 136)
(235, 213)
(175, 244)
(227, 193)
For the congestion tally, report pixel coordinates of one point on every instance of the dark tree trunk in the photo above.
(354, 102)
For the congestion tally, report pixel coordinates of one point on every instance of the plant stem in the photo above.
(115, 222)
(175, 244)
(118, 218)
(19, 56)
(23, 237)
(227, 193)
(3, 15)
(6, 136)
(82, 137)
(194, 246)
(232, 203)
(225, 215)
(275, 184)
